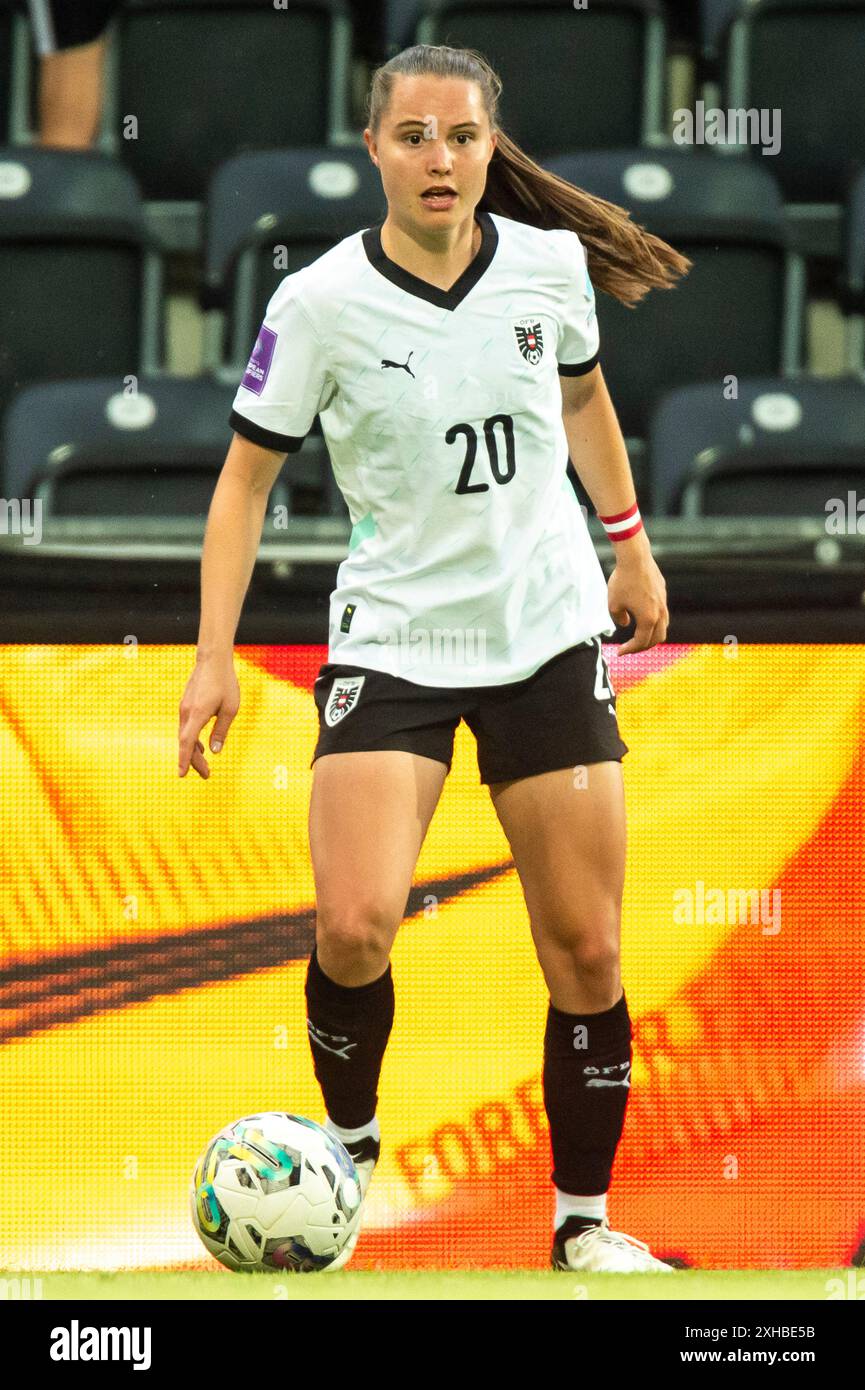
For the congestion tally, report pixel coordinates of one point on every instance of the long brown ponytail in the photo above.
(624, 260)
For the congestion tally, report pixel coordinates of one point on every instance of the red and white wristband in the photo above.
(624, 525)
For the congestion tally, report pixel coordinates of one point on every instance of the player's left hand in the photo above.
(636, 589)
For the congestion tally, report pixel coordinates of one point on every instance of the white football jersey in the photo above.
(470, 561)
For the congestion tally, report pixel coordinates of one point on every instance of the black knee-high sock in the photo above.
(348, 1031)
(586, 1081)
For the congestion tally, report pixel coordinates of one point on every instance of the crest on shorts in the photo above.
(342, 698)
(530, 340)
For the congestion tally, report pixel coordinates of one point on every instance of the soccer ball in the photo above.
(275, 1191)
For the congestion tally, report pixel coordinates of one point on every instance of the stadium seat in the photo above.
(90, 448)
(740, 307)
(79, 281)
(853, 285)
(779, 56)
(299, 201)
(780, 448)
(613, 53)
(208, 80)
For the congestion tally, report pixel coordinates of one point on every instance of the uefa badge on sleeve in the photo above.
(258, 366)
(530, 340)
(342, 698)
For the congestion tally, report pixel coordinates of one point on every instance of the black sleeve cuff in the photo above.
(268, 439)
(579, 368)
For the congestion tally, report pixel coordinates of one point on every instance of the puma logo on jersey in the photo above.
(386, 362)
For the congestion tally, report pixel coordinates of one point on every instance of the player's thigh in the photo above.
(567, 832)
(368, 815)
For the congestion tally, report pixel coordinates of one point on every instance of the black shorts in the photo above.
(562, 716)
(58, 25)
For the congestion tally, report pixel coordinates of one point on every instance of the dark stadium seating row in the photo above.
(81, 278)
(779, 447)
(283, 77)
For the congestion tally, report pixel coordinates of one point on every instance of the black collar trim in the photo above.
(413, 284)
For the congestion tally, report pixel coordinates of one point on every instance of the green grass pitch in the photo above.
(425, 1285)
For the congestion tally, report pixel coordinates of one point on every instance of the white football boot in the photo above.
(597, 1249)
(364, 1154)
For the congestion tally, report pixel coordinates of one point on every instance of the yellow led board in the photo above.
(155, 931)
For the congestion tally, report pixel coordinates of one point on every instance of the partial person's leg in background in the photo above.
(566, 830)
(70, 97)
(368, 816)
(71, 42)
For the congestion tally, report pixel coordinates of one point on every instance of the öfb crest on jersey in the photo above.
(530, 340)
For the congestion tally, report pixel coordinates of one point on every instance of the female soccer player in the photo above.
(452, 354)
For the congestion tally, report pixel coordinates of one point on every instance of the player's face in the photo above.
(435, 132)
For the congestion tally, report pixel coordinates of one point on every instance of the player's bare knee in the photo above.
(596, 964)
(593, 955)
(352, 944)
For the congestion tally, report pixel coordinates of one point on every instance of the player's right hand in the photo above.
(212, 689)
